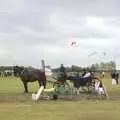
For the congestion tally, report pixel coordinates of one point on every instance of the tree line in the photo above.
(97, 67)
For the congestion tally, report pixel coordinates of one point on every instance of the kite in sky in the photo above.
(93, 53)
(73, 43)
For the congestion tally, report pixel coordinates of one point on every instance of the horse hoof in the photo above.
(25, 92)
(55, 97)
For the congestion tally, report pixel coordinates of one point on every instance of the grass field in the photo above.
(15, 106)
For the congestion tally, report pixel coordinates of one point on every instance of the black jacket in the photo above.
(62, 69)
(113, 75)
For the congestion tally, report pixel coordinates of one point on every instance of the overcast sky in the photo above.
(34, 29)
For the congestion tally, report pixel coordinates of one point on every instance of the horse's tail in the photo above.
(45, 82)
(42, 79)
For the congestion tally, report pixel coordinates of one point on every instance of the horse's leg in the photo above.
(25, 87)
(70, 85)
(77, 90)
(88, 87)
(44, 83)
(39, 82)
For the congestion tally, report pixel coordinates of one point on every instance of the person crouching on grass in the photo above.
(99, 88)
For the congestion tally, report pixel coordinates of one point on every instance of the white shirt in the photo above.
(87, 75)
(103, 73)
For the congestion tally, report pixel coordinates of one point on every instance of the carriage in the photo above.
(63, 85)
(69, 85)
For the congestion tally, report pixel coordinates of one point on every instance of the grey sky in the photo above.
(31, 30)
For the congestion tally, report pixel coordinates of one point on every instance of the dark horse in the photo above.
(78, 81)
(30, 75)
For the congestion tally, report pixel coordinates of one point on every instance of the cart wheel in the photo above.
(55, 97)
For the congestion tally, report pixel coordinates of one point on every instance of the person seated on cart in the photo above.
(62, 71)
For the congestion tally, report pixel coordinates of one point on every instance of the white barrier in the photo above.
(37, 96)
(105, 90)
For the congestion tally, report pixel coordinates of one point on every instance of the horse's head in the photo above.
(18, 71)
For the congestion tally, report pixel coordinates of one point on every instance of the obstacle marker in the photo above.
(101, 90)
(37, 96)
(105, 90)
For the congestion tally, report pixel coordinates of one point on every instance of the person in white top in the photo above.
(99, 87)
(87, 75)
(103, 74)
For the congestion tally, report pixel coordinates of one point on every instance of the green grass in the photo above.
(113, 91)
(82, 110)
(56, 110)
(11, 85)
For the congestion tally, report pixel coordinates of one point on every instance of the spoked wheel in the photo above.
(91, 85)
(57, 85)
(55, 97)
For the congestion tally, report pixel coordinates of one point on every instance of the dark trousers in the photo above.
(117, 81)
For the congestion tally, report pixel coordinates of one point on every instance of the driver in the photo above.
(62, 70)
